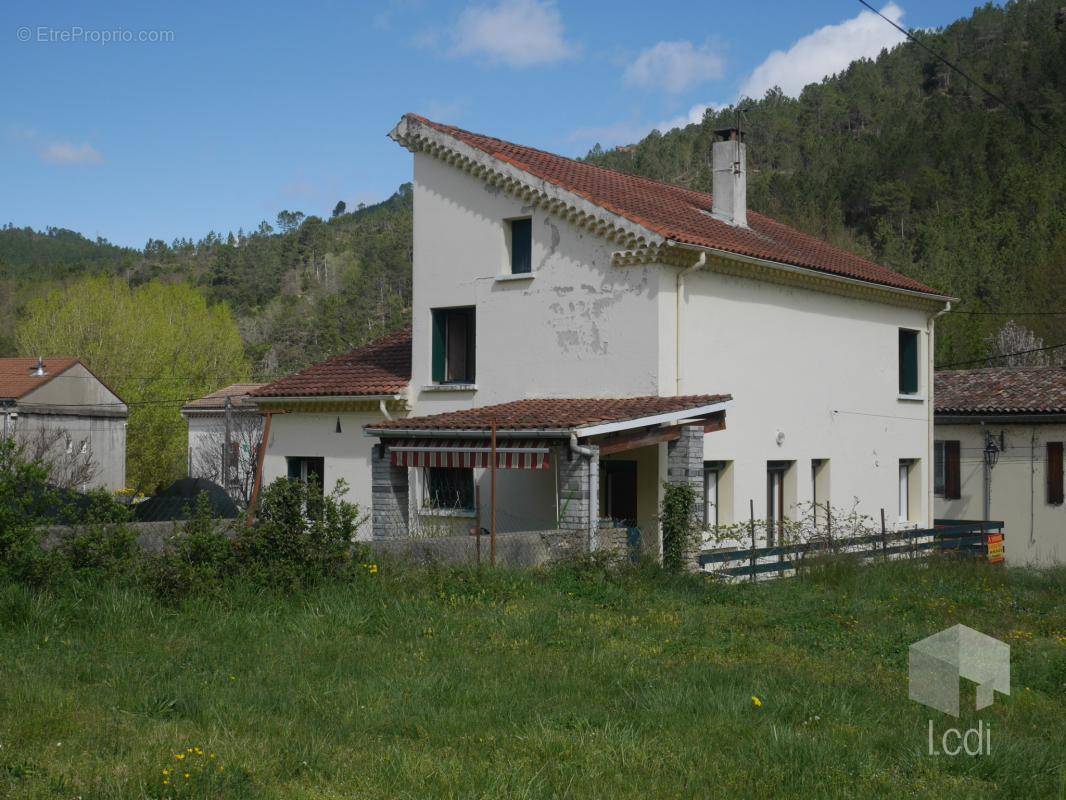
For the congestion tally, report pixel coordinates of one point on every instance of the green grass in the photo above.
(570, 683)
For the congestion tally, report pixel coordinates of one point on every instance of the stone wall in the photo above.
(579, 492)
(390, 492)
(525, 549)
(685, 465)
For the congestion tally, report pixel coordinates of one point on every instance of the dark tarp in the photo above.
(178, 501)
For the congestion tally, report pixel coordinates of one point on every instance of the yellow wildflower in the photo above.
(755, 701)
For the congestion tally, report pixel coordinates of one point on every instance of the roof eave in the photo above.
(324, 398)
(947, 300)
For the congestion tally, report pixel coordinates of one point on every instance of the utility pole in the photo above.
(227, 450)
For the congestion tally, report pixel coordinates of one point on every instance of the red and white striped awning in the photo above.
(510, 453)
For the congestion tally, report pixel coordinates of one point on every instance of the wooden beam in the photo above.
(640, 438)
(715, 422)
(259, 457)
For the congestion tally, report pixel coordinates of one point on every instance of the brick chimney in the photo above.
(730, 187)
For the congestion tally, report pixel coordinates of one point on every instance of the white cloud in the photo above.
(825, 52)
(674, 67)
(66, 153)
(694, 116)
(518, 33)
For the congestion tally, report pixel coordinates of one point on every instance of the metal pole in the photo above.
(884, 533)
(228, 450)
(751, 504)
(477, 523)
(492, 529)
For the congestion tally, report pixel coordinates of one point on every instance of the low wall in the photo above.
(152, 537)
(525, 549)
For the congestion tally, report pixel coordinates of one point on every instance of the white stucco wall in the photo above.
(822, 368)
(346, 455)
(1035, 531)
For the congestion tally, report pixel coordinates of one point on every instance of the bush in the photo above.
(300, 536)
(679, 523)
(199, 559)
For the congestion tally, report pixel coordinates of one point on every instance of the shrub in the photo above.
(199, 557)
(300, 535)
(679, 524)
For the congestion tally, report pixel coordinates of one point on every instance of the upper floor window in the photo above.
(521, 246)
(453, 345)
(908, 361)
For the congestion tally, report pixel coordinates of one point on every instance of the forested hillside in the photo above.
(901, 159)
(301, 289)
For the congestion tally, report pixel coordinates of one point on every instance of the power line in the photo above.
(1002, 355)
(1019, 110)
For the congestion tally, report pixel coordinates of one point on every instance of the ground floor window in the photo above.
(776, 472)
(712, 493)
(907, 509)
(448, 488)
(307, 469)
(820, 501)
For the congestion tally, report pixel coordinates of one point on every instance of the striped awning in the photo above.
(510, 453)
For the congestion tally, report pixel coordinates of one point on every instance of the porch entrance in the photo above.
(619, 482)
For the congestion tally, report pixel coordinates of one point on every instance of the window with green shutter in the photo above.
(453, 345)
(908, 362)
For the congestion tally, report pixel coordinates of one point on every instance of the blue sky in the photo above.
(230, 112)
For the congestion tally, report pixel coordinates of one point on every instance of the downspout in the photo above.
(700, 262)
(930, 402)
(384, 411)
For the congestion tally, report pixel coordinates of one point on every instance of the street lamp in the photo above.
(991, 451)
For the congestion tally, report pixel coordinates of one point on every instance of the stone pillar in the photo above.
(685, 465)
(579, 492)
(389, 496)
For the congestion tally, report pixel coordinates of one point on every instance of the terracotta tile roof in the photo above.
(15, 377)
(216, 401)
(681, 214)
(1001, 390)
(381, 367)
(550, 414)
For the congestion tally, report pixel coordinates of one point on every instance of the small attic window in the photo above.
(521, 246)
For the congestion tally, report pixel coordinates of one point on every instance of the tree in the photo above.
(156, 345)
(1014, 345)
(246, 437)
(70, 464)
(288, 221)
(339, 209)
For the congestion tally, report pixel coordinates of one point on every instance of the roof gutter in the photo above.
(327, 398)
(779, 265)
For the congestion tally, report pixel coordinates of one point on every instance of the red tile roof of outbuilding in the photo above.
(682, 214)
(382, 367)
(1001, 390)
(550, 413)
(16, 378)
(216, 401)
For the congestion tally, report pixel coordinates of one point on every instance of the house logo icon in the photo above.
(939, 661)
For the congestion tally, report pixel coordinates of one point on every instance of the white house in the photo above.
(602, 322)
(999, 455)
(61, 413)
(316, 416)
(209, 418)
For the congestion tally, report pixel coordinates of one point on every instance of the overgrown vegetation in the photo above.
(680, 526)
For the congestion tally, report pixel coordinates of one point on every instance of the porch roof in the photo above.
(558, 417)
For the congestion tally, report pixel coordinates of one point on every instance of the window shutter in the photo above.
(1054, 473)
(908, 362)
(952, 471)
(521, 246)
(438, 347)
(471, 348)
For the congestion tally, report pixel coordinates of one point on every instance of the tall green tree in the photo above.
(156, 345)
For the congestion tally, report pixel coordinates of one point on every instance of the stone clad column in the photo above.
(685, 465)
(389, 496)
(579, 492)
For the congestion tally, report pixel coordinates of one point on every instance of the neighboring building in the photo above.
(999, 455)
(208, 418)
(63, 414)
(537, 276)
(317, 415)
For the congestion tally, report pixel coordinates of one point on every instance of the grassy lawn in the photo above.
(570, 683)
